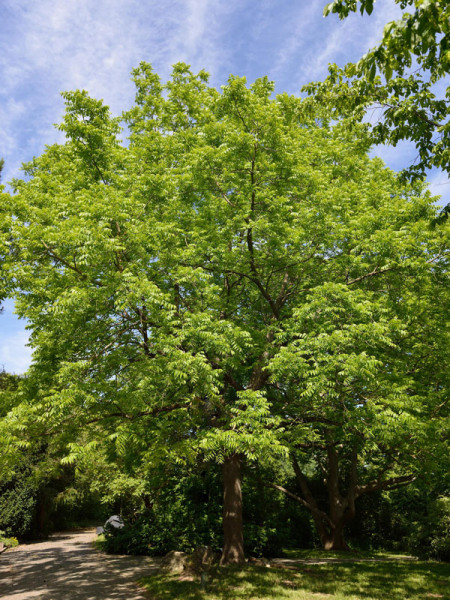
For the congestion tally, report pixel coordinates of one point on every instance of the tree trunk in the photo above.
(233, 546)
(41, 518)
(331, 526)
(341, 510)
(335, 540)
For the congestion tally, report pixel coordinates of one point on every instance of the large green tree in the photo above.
(165, 280)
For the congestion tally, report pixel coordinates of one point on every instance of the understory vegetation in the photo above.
(187, 514)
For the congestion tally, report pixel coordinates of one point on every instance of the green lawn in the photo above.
(379, 580)
(318, 554)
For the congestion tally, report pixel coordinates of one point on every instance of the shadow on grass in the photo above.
(344, 555)
(365, 581)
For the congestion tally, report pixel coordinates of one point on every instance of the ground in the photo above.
(67, 567)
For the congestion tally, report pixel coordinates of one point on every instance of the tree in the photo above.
(368, 382)
(163, 280)
(400, 77)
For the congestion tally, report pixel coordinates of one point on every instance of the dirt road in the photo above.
(67, 567)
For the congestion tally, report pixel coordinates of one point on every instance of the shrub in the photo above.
(186, 513)
(9, 542)
(18, 501)
(430, 538)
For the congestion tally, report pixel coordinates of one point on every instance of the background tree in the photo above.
(38, 492)
(402, 77)
(166, 281)
(369, 387)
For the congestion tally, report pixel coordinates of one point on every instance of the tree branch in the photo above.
(388, 484)
(138, 415)
(319, 513)
(371, 274)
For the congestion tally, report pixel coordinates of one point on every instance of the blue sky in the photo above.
(54, 45)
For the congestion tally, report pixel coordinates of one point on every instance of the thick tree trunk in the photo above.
(332, 530)
(233, 546)
(335, 540)
(330, 526)
(340, 507)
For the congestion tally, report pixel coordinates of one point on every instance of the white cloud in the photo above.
(291, 45)
(15, 355)
(440, 186)
(343, 41)
(196, 23)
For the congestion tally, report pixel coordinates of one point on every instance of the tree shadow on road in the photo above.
(77, 572)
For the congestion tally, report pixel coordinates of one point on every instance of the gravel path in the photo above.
(67, 567)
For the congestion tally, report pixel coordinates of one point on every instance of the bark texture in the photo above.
(233, 546)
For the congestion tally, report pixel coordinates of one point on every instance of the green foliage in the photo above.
(272, 523)
(35, 500)
(413, 55)
(185, 513)
(438, 533)
(18, 501)
(136, 538)
(426, 528)
(8, 542)
(355, 416)
(37, 493)
(18, 487)
(4, 228)
(181, 512)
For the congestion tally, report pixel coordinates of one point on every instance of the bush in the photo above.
(182, 513)
(74, 507)
(272, 521)
(18, 502)
(430, 538)
(8, 542)
(186, 512)
(133, 538)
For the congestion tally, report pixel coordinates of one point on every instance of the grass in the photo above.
(99, 542)
(378, 580)
(319, 554)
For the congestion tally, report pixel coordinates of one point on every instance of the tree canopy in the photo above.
(401, 79)
(239, 281)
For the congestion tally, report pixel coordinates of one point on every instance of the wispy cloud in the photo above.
(53, 46)
(440, 186)
(291, 45)
(314, 42)
(15, 355)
